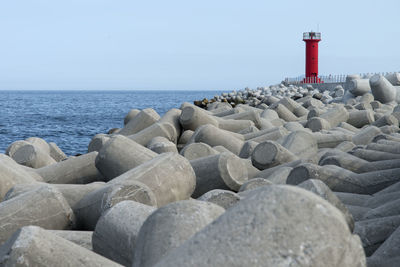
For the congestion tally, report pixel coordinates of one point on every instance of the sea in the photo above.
(71, 118)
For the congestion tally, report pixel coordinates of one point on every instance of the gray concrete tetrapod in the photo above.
(254, 183)
(374, 232)
(172, 117)
(222, 171)
(329, 119)
(273, 232)
(131, 114)
(81, 238)
(330, 140)
(170, 226)
(366, 135)
(214, 136)
(56, 153)
(72, 193)
(220, 197)
(382, 89)
(142, 120)
(89, 209)
(321, 189)
(169, 176)
(161, 144)
(164, 129)
(269, 154)
(97, 142)
(390, 249)
(197, 150)
(14, 146)
(235, 126)
(116, 231)
(193, 117)
(32, 156)
(342, 180)
(11, 174)
(77, 170)
(359, 87)
(34, 246)
(359, 118)
(119, 155)
(45, 207)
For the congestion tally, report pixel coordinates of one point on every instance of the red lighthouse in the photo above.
(312, 39)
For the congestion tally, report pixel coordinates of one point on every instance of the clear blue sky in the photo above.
(203, 45)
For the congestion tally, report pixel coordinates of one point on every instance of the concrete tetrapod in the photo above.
(56, 153)
(170, 226)
(77, 170)
(214, 136)
(390, 249)
(161, 144)
(11, 174)
(142, 120)
(97, 142)
(220, 197)
(13, 147)
(81, 238)
(172, 117)
(382, 89)
(374, 232)
(319, 188)
(269, 154)
(193, 117)
(72, 193)
(34, 246)
(222, 171)
(282, 234)
(169, 176)
(119, 155)
(116, 232)
(131, 114)
(197, 150)
(342, 180)
(32, 156)
(44, 207)
(89, 209)
(163, 129)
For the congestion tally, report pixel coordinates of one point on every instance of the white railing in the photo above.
(339, 78)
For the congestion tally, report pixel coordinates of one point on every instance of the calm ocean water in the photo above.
(72, 118)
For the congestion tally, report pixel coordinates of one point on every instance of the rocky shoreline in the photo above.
(285, 175)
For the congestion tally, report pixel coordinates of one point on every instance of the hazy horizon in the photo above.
(181, 45)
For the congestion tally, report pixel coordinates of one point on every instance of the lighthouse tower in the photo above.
(311, 39)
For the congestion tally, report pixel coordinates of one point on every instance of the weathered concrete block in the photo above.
(197, 150)
(359, 118)
(213, 136)
(77, 170)
(131, 114)
(161, 144)
(342, 180)
(222, 198)
(163, 129)
(172, 117)
(222, 171)
(13, 147)
(193, 117)
(33, 156)
(269, 154)
(359, 87)
(34, 246)
(321, 189)
(382, 89)
(170, 226)
(81, 238)
(89, 209)
(117, 230)
(247, 149)
(169, 176)
(366, 135)
(142, 120)
(56, 153)
(275, 231)
(44, 207)
(254, 183)
(97, 142)
(390, 249)
(119, 155)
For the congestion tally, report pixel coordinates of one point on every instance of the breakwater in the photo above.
(275, 176)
